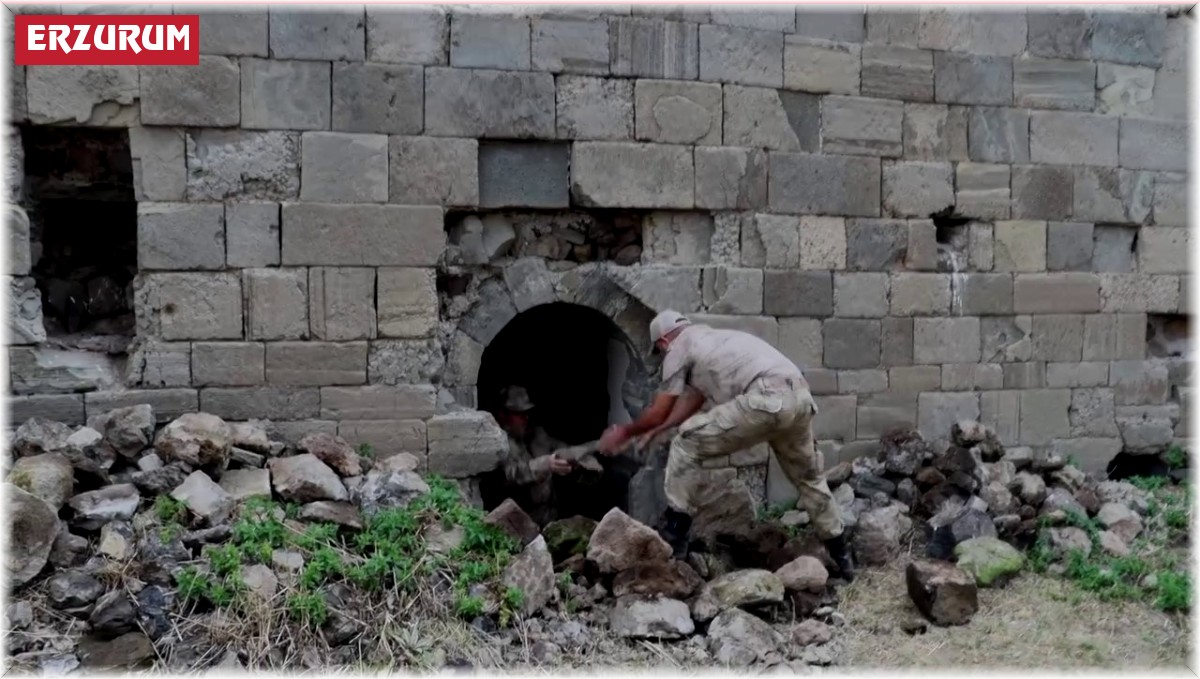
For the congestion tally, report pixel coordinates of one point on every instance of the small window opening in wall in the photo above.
(1168, 336)
(953, 242)
(83, 234)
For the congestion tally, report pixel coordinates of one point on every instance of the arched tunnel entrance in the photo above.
(582, 374)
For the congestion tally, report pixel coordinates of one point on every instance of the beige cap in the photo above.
(664, 323)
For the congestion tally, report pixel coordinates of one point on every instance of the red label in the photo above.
(107, 40)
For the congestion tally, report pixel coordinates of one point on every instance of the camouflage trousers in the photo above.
(778, 414)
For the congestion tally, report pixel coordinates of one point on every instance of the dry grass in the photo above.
(1034, 622)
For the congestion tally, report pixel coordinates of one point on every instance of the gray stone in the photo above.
(1020, 246)
(523, 175)
(1054, 83)
(192, 305)
(946, 340)
(1093, 374)
(739, 639)
(1114, 337)
(798, 293)
(335, 34)
(1170, 199)
(678, 112)
(340, 302)
(93, 95)
(978, 31)
(1139, 292)
(1124, 90)
(1024, 375)
(425, 170)
(1138, 382)
(860, 295)
(763, 18)
(205, 499)
(1069, 246)
(876, 244)
(1042, 192)
(654, 49)
(316, 363)
(407, 302)
(982, 294)
(937, 412)
(594, 108)
(243, 403)
(676, 238)
(407, 35)
(821, 66)
(205, 95)
(1006, 339)
(1170, 95)
(917, 188)
(252, 234)
(362, 235)
(180, 236)
(915, 294)
(483, 103)
(861, 126)
(935, 132)
(95, 508)
(613, 174)
(1113, 249)
(1129, 37)
(982, 191)
(304, 478)
(276, 302)
(233, 33)
(159, 163)
(636, 618)
(1164, 250)
(973, 79)
(17, 222)
(1057, 337)
(228, 364)
(824, 184)
(465, 443)
(1064, 33)
(338, 167)
(851, 343)
(1056, 292)
(357, 106)
(730, 178)
(771, 118)
(243, 165)
(25, 323)
(570, 46)
(1068, 138)
(287, 95)
(490, 41)
(897, 72)
(893, 26)
(1153, 145)
(1112, 195)
(1045, 415)
(741, 55)
(999, 135)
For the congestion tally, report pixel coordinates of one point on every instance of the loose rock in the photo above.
(805, 573)
(1063, 499)
(340, 513)
(991, 560)
(198, 439)
(811, 632)
(673, 579)
(1112, 543)
(749, 587)
(946, 594)
(1068, 539)
(739, 639)
(243, 484)
(113, 615)
(250, 436)
(260, 580)
(877, 535)
(620, 542)
(532, 572)
(333, 451)
(304, 478)
(1030, 488)
(204, 499)
(38, 435)
(124, 652)
(68, 550)
(117, 541)
(33, 526)
(73, 589)
(513, 520)
(162, 480)
(48, 477)
(128, 431)
(638, 618)
(381, 490)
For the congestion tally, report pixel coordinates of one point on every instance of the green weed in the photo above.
(1176, 458)
(1174, 591)
(366, 450)
(169, 510)
(308, 608)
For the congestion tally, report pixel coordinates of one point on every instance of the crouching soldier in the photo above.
(757, 394)
(530, 464)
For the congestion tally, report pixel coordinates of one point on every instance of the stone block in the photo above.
(918, 294)
(974, 30)
(662, 287)
(798, 293)
(1154, 145)
(1139, 382)
(1093, 413)
(822, 243)
(824, 184)
(1065, 33)
(387, 437)
(570, 46)
(1056, 293)
(101, 96)
(286, 95)
(65, 408)
(923, 248)
(862, 381)
(862, 126)
(981, 294)
(18, 262)
(205, 95)
(594, 108)
(999, 135)
(490, 41)
(1114, 337)
(523, 174)
(729, 178)
(404, 361)
(242, 165)
(1163, 249)
(1135, 293)
(774, 119)
(938, 412)
(1092, 455)
(846, 25)
(801, 341)
(972, 376)
(1054, 83)
(529, 283)
(228, 364)
(1132, 37)
(181, 236)
(338, 167)
(762, 327)
(273, 403)
(981, 246)
(362, 235)
(1042, 192)
(835, 418)
(1057, 337)
(647, 48)
(404, 402)
(167, 404)
(1177, 42)
(1124, 90)
(897, 72)
(914, 378)
(403, 35)
(1076, 375)
(305, 364)
(732, 291)
(341, 303)
(1170, 95)
(876, 244)
(860, 295)
(1001, 411)
(821, 66)
(276, 303)
(1113, 249)
(1045, 416)
(25, 322)
(408, 304)
(677, 112)
(1070, 138)
(292, 433)
(432, 171)
(1069, 246)
(1006, 338)
(357, 106)
(763, 18)
(946, 340)
(1024, 375)
(482, 103)
(741, 55)
(973, 79)
(159, 364)
(1106, 194)
(192, 305)
(771, 241)
(893, 26)
(234, 33)
(159, 164)
(851, 343)
(464, 443)
(615, 174)
(335, 34)
(917, 188)
(252, 234)
(897, 341)
(935, 132)
(1020, 246)
(982, 190)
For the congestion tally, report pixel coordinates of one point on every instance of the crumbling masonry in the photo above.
(938, 215)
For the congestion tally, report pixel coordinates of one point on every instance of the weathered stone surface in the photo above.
(339, 302)
(570, 46)
(1044, 415)
(513, 520)
(1153, 145)
(403, 361)
(233, 33)
(464, 443)
(276, 302)
(181, 236)
(897, 72)
(972, 79)
(285, 95)
(362, 235)
(798, 293)
(33, 527)
(1020, 246)
(1163, 250)
(1137, 293)
(730, 178)
(619, 542)
(1068, 138)
(96, 95)
(861, 126)
(206, 500)
(242, 164)
(483, 103)
(821, 66)
(946, 594)
(335, 33)
(73, 589)
(407, 35)
(1112, 195)
(824, 184)
(304, 478)
(771, 118)
(1040, 192)
(95, 508)
(999, 135)
(612, 174)
(242, 484)
(1129, 37)
(25, 322)
(159, 165)
(740, 55)
(524, 175)
(653, 49)
(673, 580)
(252, 234)
(678, 112)
(935, 132)
(991, 560)
(1069, 247)
(1054, 83)
(917, 188)
(490, 41)
(860, 295)
(636, 618)
(389, 489)
(1063, 33)
(937, 412)
(594, 108)
(738, 639)
(1124, 90)
(946, 340)
(205, 95)
(425, 171)
(197, 439)
(876, 244)
(804, 573)
(49, 477)
(338, 167)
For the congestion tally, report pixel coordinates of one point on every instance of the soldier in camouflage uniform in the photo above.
(530, 464)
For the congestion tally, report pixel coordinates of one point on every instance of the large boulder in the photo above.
(728, 507)
(33, 526)
(621, 542)
(381, 490)
(207, 501)
(304, 478)
(510, 518)
(38, 435)
(804, 573)
(1123, 492)
(95, 508)
(333, 451)
(991, 560)
(568, 537)
(1121, 520)
(197, 439)
(128, 431)
(945, 593)
(532, 572)
(638, 618)
(673, 579)
(49, 477)
(738, 639)
(877, 537)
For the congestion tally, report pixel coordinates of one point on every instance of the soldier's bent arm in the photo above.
(688, 404)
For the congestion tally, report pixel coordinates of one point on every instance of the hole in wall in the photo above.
(1168, 336)
(952, 236)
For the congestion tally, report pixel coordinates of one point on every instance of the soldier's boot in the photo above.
(675, 532)
(841, 556)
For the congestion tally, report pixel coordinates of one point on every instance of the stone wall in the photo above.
(939, 215)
